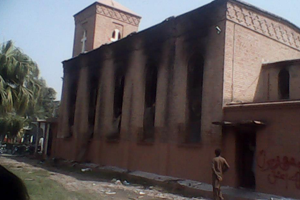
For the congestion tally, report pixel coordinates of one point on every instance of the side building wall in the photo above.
(269, 82)
(277, 160)
(252, 39)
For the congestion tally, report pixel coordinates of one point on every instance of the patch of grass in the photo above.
(41, 187)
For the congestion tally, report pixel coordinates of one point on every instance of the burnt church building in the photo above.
(161, 100)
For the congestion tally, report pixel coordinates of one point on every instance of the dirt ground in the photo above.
(86, 187)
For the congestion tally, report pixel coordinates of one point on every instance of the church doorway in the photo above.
(246, 160)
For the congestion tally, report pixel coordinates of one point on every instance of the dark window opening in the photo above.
(150, 99)
(93, 92)
(284, 84)
(118, 105)
(72, 103)
(194, 95)
(116, 37)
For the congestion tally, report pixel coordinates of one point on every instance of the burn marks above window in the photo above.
(194, 98)
(150, 78)
(93, 92)
(118, 95)
(119, 83)
(73, 87)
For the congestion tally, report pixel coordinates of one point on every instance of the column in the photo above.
(63, 121)
(105, 98)
(81, 125)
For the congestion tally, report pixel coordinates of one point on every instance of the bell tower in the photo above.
(104, 21)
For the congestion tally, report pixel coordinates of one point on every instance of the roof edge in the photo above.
(99, 3)
(283, 62)
(259, 105)
(266, 13)
(130, 13)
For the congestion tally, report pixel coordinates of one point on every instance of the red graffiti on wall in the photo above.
(279, 168)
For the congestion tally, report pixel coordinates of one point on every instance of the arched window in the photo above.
(72, 102)
(116, 35)
(284, 84)
(194, 95)
(150, 99)
(118, 104)
(93, 92)
(118, 95)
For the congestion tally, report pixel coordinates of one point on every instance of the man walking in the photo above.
(219, 166)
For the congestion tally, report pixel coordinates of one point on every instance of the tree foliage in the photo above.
(23, 95)
(45, 105)
(11, 125)
(18, 79)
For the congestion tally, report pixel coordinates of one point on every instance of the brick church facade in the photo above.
(161, 100)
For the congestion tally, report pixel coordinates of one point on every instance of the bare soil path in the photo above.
(46, 182)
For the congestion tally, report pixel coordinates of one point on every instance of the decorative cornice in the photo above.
(118, 15)
(263, 25)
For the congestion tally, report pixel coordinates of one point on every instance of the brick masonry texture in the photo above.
(240, 82)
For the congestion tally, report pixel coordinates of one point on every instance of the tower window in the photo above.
(116, 35)
(284, 84)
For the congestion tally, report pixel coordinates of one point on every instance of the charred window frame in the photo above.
(119, 83)
(72, 101)
(93, 93)
(150, 77)
(194, 99)
(284, 84)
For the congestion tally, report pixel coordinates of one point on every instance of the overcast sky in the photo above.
(44, 29)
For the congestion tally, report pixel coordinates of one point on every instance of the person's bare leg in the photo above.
(220, 194)
(215, 193)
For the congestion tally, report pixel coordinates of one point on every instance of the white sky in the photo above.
(44, 29)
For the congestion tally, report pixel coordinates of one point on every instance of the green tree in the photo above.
(23, 95)
(45, 104)
(18, 80)
(12, 124)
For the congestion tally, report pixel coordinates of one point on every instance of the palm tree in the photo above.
(11, 125)
(23, 95)
(44, 106)
(19, 86)
(19, 82)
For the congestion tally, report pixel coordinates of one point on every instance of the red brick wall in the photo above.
(84, 21)
(249, 44)
(232, 64)
(278, 145)
(99, 27)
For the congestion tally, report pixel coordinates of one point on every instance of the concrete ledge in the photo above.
(154, 177)
(112, 169)
(184, 187)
